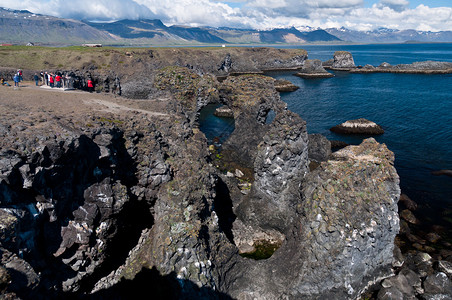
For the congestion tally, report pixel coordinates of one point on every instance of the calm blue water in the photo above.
(414, 110)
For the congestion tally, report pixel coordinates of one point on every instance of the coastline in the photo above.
(176, 221)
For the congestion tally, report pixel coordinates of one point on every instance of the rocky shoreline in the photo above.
(343, 61)
(104, 196)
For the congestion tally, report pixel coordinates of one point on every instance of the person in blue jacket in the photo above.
(36, 78)
(16, 80)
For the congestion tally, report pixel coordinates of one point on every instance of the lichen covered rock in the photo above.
(342, 240)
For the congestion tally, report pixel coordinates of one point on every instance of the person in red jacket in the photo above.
(90, 85)
(51, 80)
(58, 80)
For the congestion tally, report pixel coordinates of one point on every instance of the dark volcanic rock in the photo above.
(279, 167)
(409, 204)
(319, 148)
(359, 126)
(442, 172)
(438, 283)
(338, 220)
(251, 98)
(108, 204)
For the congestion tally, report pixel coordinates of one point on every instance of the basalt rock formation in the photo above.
(343, 60)
(114, 204)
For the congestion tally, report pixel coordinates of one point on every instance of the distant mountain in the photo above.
(21, 26)
(155, 28)
(385, 35)
(282, 35)
(152, 29)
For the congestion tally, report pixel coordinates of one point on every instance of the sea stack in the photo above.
(313, 68)
(358, 126)
(343, 60)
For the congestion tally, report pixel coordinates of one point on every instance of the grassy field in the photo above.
(129, 62)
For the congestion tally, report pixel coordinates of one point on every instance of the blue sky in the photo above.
(432, 15)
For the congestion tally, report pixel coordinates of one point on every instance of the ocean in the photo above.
(414, 110)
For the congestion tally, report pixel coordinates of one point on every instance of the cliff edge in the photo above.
(103, 196)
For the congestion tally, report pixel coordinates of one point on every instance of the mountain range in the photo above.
(385, 35)
(21, 27)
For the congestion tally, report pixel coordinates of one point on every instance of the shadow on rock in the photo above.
(150, 284)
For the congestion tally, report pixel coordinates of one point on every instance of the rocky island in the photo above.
(358, 126)
(107, 197)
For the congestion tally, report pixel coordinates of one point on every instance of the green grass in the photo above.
(264, 250)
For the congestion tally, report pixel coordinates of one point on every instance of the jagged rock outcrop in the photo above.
(251, 98)
(100, 204)
(279, 166)
(342, 238)
(319, 148)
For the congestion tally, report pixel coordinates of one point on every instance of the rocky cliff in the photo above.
(115, 202)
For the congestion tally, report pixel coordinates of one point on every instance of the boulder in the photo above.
(408, 216)
(319, 148)
(401, 283)
(390, 293)
(407, 202)
(358, 126)
(445, 267)
(438, 283)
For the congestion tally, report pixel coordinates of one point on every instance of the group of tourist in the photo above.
(52, 80)
(66, 80)
(17, 78)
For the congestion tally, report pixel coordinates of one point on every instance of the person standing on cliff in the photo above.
(36, 78)
(16, 80)
(51, 80)
(90, 85)
(58, 80)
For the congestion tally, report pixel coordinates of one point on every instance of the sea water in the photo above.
(414, 110)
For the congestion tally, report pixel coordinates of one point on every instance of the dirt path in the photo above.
(29, 99)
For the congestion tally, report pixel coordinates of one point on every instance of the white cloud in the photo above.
(397, 5)
(259, 14)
